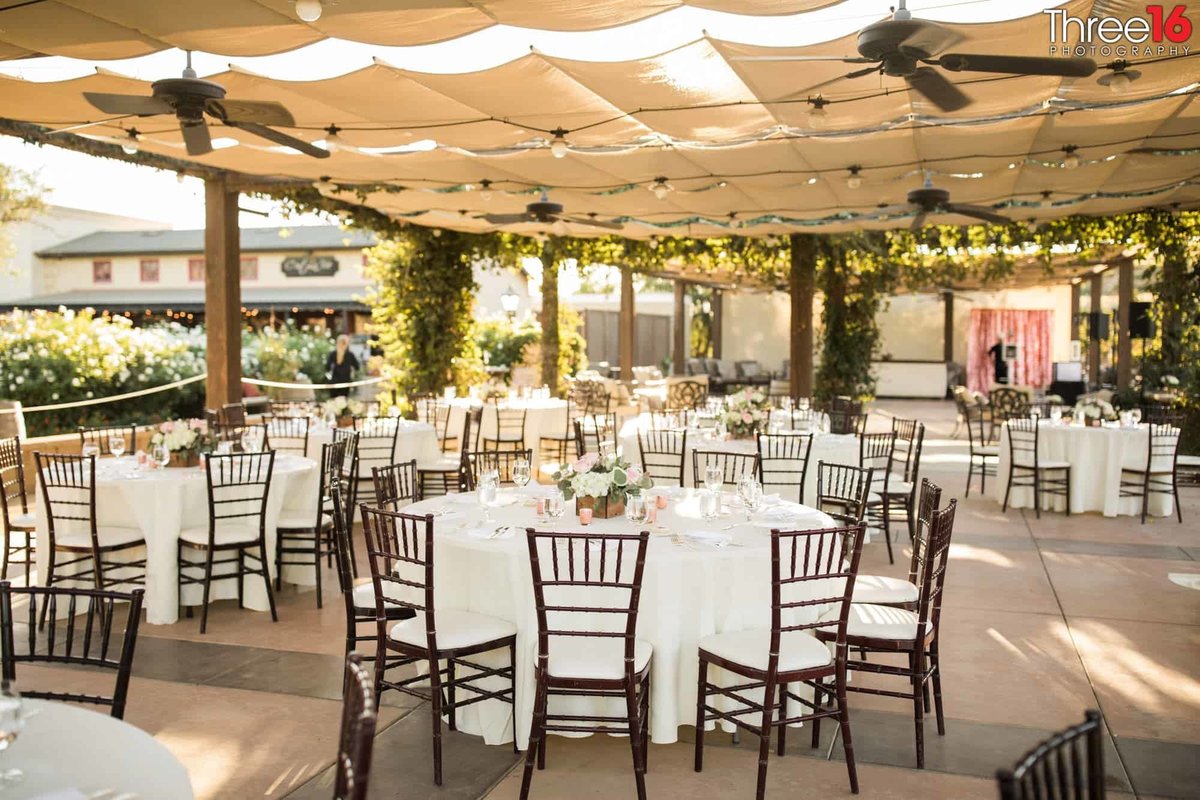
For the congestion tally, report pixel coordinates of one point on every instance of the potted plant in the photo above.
(746, 413)
(184, 440)
(601, 483)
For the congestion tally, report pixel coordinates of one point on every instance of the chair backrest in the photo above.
(396, 485)
(783, 460)
(1008, 402)
(239, 485)
(289, 434)
(976, 419)
(734, 466)
(844, 421)
(931, 580)
(910, 438)
(594, 433)
(376, 443)
(69, 495)
(503, 461)
(1163, 446)
(591, 397)
(502, 424)
(357, 737)
(843, 491)
(1067, 766)
(100, 436)
(341, 553)
(684, 395)
(1023, 441)
(232, 414)
(12, 479)
(400, 552)
(587, 586)
(662, 455)
(233, 432)
(876, 452)
(95, 640)
(333, 456)
(1160, 412)
(821, 562)
(931, 496)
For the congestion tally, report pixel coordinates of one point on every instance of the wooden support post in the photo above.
(1097, 291)
(718, 304)
(947, 326)
(626, 327)
(222, 293)
(549, 316)
(1075, 310)
(679, 356)
(1124, 340)
(803, 281)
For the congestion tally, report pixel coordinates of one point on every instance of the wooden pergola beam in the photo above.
(1124, 340)
(626, 325)
(802, 285)
(679, 319)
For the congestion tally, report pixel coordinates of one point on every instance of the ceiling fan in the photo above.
(189, 98)
(546, 212)
(931, 200)
(903, 46)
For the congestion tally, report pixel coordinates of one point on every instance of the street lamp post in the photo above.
(510, 301)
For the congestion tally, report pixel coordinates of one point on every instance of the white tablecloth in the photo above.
(65, 747)
(1096, 456)
(690, 589)
(827, 447)
(163, 502)
(415, 440)
(545, 416)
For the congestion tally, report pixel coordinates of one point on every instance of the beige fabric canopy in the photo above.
(731, 137)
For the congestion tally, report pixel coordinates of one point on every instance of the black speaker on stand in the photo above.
(1141, 324)
(1097, 326)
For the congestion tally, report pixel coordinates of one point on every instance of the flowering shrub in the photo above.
(290, 354)
(182, 435)
(599, 476)
(746, 411)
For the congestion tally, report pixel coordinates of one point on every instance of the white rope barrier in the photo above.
(281, 385)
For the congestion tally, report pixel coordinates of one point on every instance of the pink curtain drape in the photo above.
(1029, 330)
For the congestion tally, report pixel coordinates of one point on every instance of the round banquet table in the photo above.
(163, 502)
(73, 752)
(545, 416)
(827, 447)
(415, 440)
(1096, 456)
(700, 578)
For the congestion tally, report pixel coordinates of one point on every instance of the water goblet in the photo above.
(12, 722)
(710, 505)
(489, 486)
(521, 473)
(635, 508)
(116, 446)
(713, 477)
(556, 506)
(750, 492)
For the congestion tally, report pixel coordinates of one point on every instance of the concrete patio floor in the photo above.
(1042, 619)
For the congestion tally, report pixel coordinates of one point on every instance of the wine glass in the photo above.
(521, 473)
(635, 508)
(489, 485)
(160, 454)
(1135, 415)
(252, 440)
(750, 492)
(556, 506)
(12, 722)
(713, 477)
(116, 446)
(90, 450)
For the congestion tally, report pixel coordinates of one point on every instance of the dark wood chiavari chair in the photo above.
(842, 491)
(445, 475)
(503, 461)
(1057, 769)
(1006, 403)
(900, 496)
(94, 552)
(845, 421)
(555, 447)
(293, 408)
(100, 437)
(350, 437)
(505, 428)
(876, 452)
(356, 738)
(303, 538)
(376, 448)
(1161, 413)
(585, 649)
(1160, 472)
(801, 418)
(984, 457)
(789, 651)
(232, 414)
(238, 488)
(783, 461)
(884, 590)
(396, 485)
(734, 466)
(1027, 469)
(686, 395)
(595, 433)
(19, 523)
(874, 629)
(289, 434)
(93, 641)
(233, 433)
(401, 552)
(663, 454)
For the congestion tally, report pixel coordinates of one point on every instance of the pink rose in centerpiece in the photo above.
(634, 474)
(586, 462)
(747, 417)
(167, 427)
(199, 425)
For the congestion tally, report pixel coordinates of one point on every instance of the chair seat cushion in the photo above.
(109, 536)
(440, 465)
(301, 520)
(594, 658)
(898, 487)
(1046, 463)
(882, 589)
(882, 622)
(226, 535)
(363, 598)
(797, 649)
(1188, 461)
(455, 630)
(26, 521)
(986, 450)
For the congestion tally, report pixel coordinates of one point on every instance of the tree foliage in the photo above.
(20, 198)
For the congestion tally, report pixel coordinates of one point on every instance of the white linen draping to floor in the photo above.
(415, 440)
(543, 417)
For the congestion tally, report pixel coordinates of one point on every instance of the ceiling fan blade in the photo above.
(506, 219)
(1018, 65)
(128, 104)
(978, 212)
(930, 39)
(264, 113)
(918, 221)
(595, 223)
(196, 137)
(807, 91)
(934, 87)
(843, 59)
(279, 137)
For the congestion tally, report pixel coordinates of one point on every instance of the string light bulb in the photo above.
(734, 222)
(323, 184)
(309, 10)
(1046, 202)
(485, 190)
(1071, 159)
(661, 188)
(854, 179)
(818, 117)
(1119, 80)
(559, 144)
(333, 142)
(130, 145)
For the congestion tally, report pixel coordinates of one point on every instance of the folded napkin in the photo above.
(714, 538)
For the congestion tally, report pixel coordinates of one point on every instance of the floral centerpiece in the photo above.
(184, 440)
(343, 409)
(1092, 412)
(746, 412)
(601, 483)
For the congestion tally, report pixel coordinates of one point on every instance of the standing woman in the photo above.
(341, 366)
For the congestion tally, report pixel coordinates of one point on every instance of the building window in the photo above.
(250, 268)
(149, 270)
(196, 270)
(101, 272)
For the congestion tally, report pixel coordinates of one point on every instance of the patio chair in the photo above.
(376, 448)
(396, 485)
(289, 434)
(1069, 764)
(446, 474)
(1027, 469)
(842, 491)
(595, 433)
(436, 412)
(303, 538)
(733, 466)
(503, 461)
(1158, 474)
(102, 436)
(783, 461)
(84, 631)
(877, 452)
(808, 569)
(901, 494)
(356, 738)
(884, 590)
(507, 431)
(555, 447)
(662, 455)
(19, 522)
(234, 433)
(984, 458)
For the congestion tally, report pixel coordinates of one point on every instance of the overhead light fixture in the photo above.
(653, 242)
(485, 190)
(771, 241)
(854, 179)
(661, 188)
(324, 184)
(510, 301)
(734, 222)
(333, 142)
(1071, 159)
(722, 184)
(1046, 202)
(309, 10)
(559, 144)
(817, 116)
(180, 176)
(1120, 78)
(130, 145)
(437, 232)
